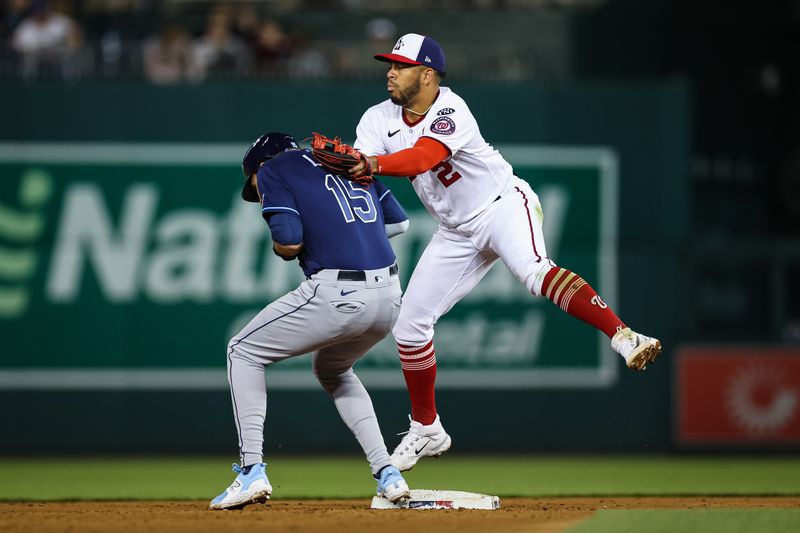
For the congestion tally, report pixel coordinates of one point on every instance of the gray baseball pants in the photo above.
(337, 320)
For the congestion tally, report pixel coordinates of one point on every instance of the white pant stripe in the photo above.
(419, 366)
(420, 355)
(410, 349)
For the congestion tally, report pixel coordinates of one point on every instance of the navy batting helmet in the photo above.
(265, 147)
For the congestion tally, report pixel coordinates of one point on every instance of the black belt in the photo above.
(360, 275)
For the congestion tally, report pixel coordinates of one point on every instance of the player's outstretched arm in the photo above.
(423, 156)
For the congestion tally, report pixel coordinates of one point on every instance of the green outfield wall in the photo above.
(127, 261)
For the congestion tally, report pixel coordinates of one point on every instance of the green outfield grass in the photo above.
(345, 477)
(692, 521)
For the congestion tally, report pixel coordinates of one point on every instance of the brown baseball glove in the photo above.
(338, 158)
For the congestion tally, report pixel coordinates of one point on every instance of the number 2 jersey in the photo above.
(460, 187)
(342, 222)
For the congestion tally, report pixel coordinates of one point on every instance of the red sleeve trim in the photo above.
(423, 156)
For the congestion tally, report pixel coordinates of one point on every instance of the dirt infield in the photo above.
(334, 516)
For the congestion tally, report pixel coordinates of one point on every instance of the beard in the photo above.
(406, 95)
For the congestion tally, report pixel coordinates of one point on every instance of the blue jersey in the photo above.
(342, 222)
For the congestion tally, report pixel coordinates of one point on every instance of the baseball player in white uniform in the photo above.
(427, 133)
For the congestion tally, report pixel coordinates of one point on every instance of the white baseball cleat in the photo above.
(638, 350)
(247, 488)
(420, 441)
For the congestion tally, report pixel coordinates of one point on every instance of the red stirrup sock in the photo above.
(571, 293)
(419, 369)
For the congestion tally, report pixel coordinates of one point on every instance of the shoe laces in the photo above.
(631, 340)
(409, 439)
(241, 469)
(627, 342)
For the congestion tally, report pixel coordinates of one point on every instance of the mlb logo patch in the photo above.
(443, 126)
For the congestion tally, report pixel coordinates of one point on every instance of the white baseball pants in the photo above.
(456, 259)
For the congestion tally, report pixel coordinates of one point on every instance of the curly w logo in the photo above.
(21, 225)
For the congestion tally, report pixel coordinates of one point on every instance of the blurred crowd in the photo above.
(70, 40)
(175, 41)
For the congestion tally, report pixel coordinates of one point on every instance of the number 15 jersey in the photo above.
(461, 186)
(343, 224)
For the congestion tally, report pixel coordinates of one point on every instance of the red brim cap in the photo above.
(396, 58)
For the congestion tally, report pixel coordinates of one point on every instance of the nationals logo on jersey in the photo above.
(443, 126)
(446, 111)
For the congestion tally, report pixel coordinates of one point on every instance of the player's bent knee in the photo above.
(232, 344)
(414, 326)
(330, 379)
(237, 350)
(329, 383)
(411, 334)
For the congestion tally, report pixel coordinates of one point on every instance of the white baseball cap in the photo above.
(416, 49)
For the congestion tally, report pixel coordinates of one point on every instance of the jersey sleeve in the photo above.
(276, 195)
(393, 212)
(452, 125)
(286, 228)
(368, 140)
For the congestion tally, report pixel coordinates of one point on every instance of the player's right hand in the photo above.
(364, 167)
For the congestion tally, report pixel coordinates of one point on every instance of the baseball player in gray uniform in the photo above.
(338, 231)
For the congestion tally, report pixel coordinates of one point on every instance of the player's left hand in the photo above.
(341, 159)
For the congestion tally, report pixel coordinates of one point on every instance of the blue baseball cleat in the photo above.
(392, 486)
(247, 488)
